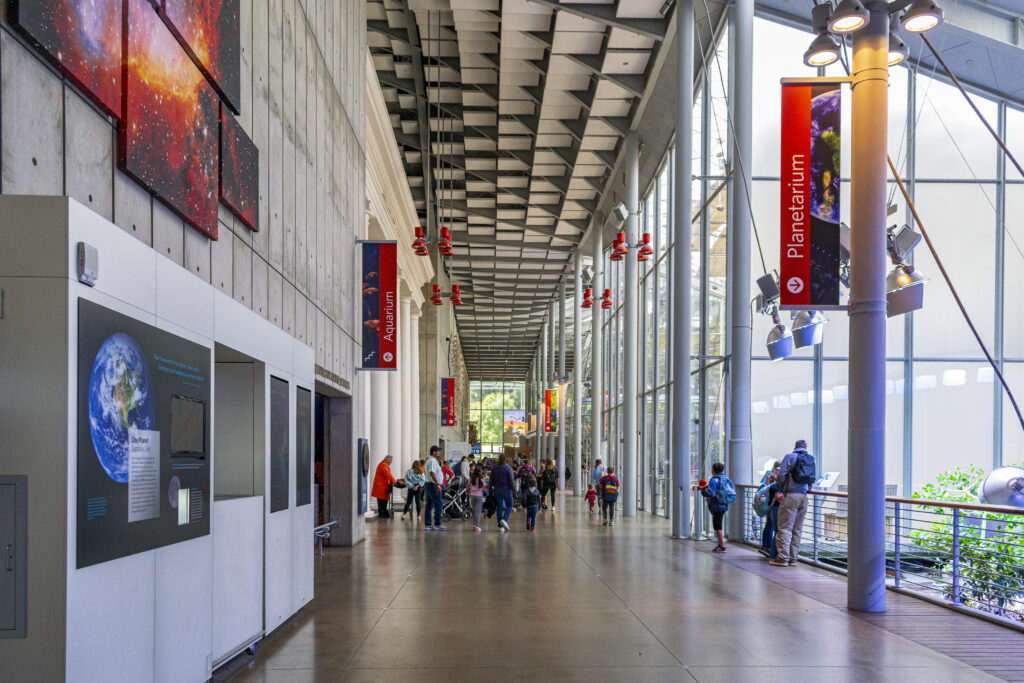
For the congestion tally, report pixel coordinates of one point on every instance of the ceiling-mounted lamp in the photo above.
(921, 15)
(456, 296)
(904, 286)
(823, 49)
(435, 298)
(897, 48)
(588, 299)
(646, 250)
(808, 328)
(780, 339)
(444, 245)
(419, 245)
(848, 16)
(619, 248)
(606, 300)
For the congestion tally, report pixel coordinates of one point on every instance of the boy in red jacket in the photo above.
(591, 497)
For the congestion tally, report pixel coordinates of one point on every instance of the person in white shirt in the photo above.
(435, 481)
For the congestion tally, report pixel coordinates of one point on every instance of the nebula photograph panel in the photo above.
(239, 171)
(168, 133)
(209, 32)
(83, 37)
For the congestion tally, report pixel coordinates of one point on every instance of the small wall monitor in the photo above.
(188, 427)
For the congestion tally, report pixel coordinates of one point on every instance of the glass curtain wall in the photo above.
(498, 409)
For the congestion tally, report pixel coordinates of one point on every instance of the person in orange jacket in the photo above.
(382, 481)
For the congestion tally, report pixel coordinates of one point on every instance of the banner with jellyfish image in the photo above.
(810, 195)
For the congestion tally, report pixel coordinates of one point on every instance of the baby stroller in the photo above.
(453, 501)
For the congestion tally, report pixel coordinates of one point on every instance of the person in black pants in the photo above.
(549, 482)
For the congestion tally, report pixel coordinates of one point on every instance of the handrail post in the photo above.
(956, 556)
(896, 544)
(815, 519)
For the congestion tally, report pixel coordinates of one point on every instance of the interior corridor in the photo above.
(579, 601)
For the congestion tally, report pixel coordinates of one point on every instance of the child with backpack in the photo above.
(609, 496)
(591, 497)
(531, 501)
(720, 493)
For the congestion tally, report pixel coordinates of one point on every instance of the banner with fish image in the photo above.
(380, 306)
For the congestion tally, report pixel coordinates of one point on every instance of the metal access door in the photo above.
(13, 579)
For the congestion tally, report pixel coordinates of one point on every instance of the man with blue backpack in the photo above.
(720, 493)
(796, 474)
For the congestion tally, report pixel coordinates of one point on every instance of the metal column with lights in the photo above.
(553, 382)
(740, 452)
(562, 422)
(577, 378)
(629, 334)
(682, 273)
(596, 353)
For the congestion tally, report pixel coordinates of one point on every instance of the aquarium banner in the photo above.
(143, 461)
(447, 401)
(809, 218)
(380, 305)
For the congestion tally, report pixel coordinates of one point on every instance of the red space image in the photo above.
(83, 37)
(209, 31)
(239, 171)
(168, 131)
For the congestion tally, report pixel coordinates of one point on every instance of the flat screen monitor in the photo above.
(188, 427)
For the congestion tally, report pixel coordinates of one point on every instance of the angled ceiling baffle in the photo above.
(510, 115)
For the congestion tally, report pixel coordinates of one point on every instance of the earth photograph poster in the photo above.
(134, 493)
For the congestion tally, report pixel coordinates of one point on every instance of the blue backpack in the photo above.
(761, 502)
(726, 492)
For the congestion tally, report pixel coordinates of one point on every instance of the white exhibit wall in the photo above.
(158, 614)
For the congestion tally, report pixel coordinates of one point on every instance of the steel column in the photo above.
(403, 458)
(866, 452)
(596, 367)
(552, 382)
(414, 336)
(629, 333)
(740, 456)
(682, 272)
(577, 376)
(562, 421)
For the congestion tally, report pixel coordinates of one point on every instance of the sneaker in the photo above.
(611, 523)
(476, 528)
(504, 525)
(792, 563)
(531, 529)
(604, 523)
(778, 563)
(428, 528)
(501, 528)
(718, 549)
(440, 527)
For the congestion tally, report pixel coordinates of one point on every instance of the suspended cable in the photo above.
(956, 296)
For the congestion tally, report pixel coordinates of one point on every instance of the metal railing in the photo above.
(966, 555)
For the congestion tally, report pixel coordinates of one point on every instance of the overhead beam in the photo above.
(607, 15)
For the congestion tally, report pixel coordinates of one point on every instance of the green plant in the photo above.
(991, 551)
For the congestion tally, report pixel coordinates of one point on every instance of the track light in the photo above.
(588, 299)
(645, 251)
(435, 298)
(780, 339)
(808, 328)
(921, 15)
(606, 300)
(848, 16)
(823, 50)
(897, 48)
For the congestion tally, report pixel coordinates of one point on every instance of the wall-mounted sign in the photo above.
(550, 402)
(809, 220)
(447, 401)
(380, 305)
(143, 437)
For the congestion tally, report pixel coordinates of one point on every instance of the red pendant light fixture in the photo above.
(606, 300)
(435, 298)
(646, 250)
(456, 296)
(419, 245)
(619, 247)
(444, 245)
(588, 299)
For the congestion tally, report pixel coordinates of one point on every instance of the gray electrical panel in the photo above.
(13, 555)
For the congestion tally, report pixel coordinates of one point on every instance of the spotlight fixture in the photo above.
(444, 245)
(646, 250)
(780, 339)
(848, 16)
(619, 247)
(808, 328)
(904, 290)
(606, 300)
(588, 299)
(897, 48)
(456, 296)
(921, 15)
(435, 298)
(419, 245)
(823, 50)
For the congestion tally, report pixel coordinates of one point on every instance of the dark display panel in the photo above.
(303, 445)
(168, 133)
(188, 427)
(82, 38)
(132, 494)
(239, 171)
(279, 488)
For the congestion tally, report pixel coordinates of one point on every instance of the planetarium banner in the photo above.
(380, 305)
(143, 437)
(810, 195)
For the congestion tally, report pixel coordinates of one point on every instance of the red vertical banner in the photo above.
(548, 396)
(447, 401)
(795, 220)
(380, 306)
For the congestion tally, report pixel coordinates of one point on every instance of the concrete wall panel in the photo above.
(274, 298)
(276, 135)
(261, 114)
(300, 317)
(197, 252)
(241, 266)
(89, 155)
(31, 116)
(260, 276)
(133, 208)
(168, 233)
(221, 253)
(288, 308)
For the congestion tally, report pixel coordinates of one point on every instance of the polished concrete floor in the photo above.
(574, 601)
